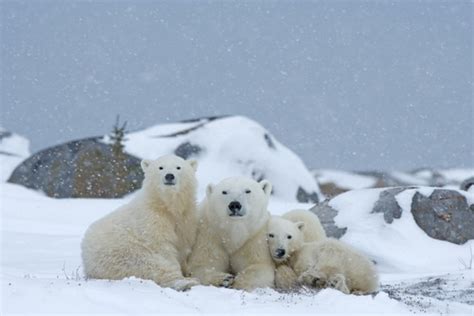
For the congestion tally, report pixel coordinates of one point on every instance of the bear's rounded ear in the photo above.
(145, 164)
(266, 186)
(209, 190)
(194, 164)
(300, 225)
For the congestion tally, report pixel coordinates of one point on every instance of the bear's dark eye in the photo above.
(289, 237)
(247, 191)
(161, 168)
(178, 168)
(224, 192)
(271, 235)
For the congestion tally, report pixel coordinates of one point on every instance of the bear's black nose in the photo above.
(280, 252)
(169, 177)
(235, 206)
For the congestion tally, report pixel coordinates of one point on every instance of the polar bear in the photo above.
(282, 247)
(232, 236)
(323, 263)
(312, 230)
(152, 236)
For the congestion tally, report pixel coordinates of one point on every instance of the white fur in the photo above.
(152, 236)
(326, 262)
(313, 230)
(308, 228)
(332, 263)
(229, 246)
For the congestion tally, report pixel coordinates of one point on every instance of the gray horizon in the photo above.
(381, 85)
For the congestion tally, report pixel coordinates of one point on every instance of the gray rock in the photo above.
(444, 215)
(187, 150)
(269, 141)
(4, 134)
(326, 216)
(432, 176)
(467, 184)
(304, 197)
(387, 204)
(383, 179)
(84, 168)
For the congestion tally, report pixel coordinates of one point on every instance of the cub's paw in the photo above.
(313, 278)
(338, 282)
(184, 284)
(227, 280)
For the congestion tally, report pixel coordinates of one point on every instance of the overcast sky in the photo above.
(345, 84)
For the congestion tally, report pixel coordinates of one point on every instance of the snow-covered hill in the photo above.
(229, 146)
(333, 182)
(399, 246)
(13, 150)
(41, 261)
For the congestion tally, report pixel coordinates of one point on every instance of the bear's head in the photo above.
(284, 238)
(170, 174)
(239, 198)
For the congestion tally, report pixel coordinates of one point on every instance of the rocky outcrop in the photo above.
(387, 204)
(444, 215)
(86, 168)
(467, 185)
(335, 182)
(326, 216)
(223, 146)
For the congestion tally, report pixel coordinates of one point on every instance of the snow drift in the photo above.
(13, 150)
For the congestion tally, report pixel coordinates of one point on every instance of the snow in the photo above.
(457, 174)
(231, 146)
(344, 179)
(449, 178)
(41, 265)
(13, 150)
(400, 246)
(40, 237)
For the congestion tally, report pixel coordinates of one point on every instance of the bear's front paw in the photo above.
(338, 282)
(313, 278)
(228, 280)
(184, 284)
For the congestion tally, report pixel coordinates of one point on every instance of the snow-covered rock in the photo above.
(395, 235)
(81, 168)
(13, 150)
(224, 147)
(334, 182)
(229, 146)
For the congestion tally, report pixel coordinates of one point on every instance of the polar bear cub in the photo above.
(324, 263)
(152, 236)
(282, 247)
(231, 238)
(312, 230)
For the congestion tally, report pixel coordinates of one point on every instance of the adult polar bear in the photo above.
(152, 236)
(232, 236)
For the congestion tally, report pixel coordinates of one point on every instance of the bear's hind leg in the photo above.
(165, 272)
(255, 276)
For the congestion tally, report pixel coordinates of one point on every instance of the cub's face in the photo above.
(169, 172)
(239, 198)
(284, 238)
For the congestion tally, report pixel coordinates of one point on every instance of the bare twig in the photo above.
(467, 265)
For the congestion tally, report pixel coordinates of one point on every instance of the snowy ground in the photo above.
(41, 274)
